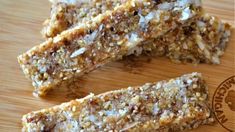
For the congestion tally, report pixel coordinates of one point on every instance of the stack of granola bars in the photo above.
(82, 35)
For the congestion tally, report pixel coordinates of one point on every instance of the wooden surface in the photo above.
(20, 25)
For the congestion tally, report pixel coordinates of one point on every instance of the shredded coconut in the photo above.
(143, 22)
(165, 6)
(133, 40)
(111, 113)
(90, 38)
(201, 24)
(186, 14)
(78, 52)
(70, 1)
(201, 45)
(155, 109)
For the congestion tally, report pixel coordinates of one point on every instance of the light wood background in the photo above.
(20, 25)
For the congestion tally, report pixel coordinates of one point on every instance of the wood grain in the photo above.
(20, 25)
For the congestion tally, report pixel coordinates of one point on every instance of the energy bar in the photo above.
(171, 105)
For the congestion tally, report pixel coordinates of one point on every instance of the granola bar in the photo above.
(107, 37)
(173, 105)
(203, 41)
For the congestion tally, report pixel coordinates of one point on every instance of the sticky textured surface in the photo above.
(175, 104)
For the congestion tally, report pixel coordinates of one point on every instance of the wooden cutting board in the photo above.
(20, 25)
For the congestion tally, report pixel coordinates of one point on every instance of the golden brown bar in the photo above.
(203, 41)
(173, 105)
(107, 37)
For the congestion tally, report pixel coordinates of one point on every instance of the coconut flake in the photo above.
(73, 2)
(155, 109)
(185, 99)
(134, 37)
(78, 52)
(111, 113)
(64, 1)
(207, 53)
(177, 81)
(201, 24)
(123, 112)
(183, 3)
(215, 60)
(57, 39)
(92, 118)
(185, 46)
(165, 6)
(186, 13)
(166, 115)
(90, 37)
(143, 22)
(189, 81)
(63, 125)
(149, 17)
(158, 85)
(200, 44)
(133, 40)
(101, 27)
